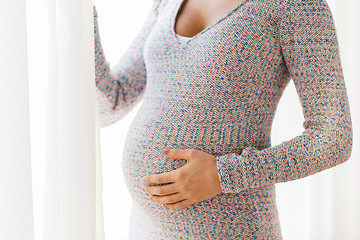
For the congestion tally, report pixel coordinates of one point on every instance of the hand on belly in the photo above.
(196, 181)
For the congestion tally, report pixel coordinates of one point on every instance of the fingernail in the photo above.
(165, 151)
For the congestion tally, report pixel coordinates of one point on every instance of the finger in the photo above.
(178, 205)
(161, 190)
(178, 153)
(167, 177)
(172, 198)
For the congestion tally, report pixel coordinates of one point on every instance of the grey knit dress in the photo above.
(218, 93)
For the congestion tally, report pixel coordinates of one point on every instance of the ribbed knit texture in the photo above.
(218, 93)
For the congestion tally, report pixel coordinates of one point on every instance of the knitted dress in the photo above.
(218, 93)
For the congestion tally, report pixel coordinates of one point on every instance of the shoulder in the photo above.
(286, 5)
(301, 10)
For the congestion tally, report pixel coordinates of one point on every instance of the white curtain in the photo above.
(68, 181)
(16, 212)
(50, 164)
(72, 126)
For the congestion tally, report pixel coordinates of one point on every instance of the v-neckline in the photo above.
(178, 6)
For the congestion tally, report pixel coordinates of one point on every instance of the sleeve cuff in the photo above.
(234, 174)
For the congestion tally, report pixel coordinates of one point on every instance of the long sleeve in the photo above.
(310, 49)
(121, 88)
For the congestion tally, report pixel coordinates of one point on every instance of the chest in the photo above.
(245, 35)
(237, 55)
(193, 16)
(238, 49)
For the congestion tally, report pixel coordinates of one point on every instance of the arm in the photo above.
(311, 52)
(121, 88)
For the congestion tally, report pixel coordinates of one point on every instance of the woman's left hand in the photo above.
(194, 182)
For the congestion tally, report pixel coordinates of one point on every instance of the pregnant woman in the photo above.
(210, 74)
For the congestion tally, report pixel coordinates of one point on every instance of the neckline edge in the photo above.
(175, 13)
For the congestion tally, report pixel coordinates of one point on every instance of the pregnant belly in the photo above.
(152, 131)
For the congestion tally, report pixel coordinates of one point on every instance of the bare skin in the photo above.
(195, 15)
(198, 180)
